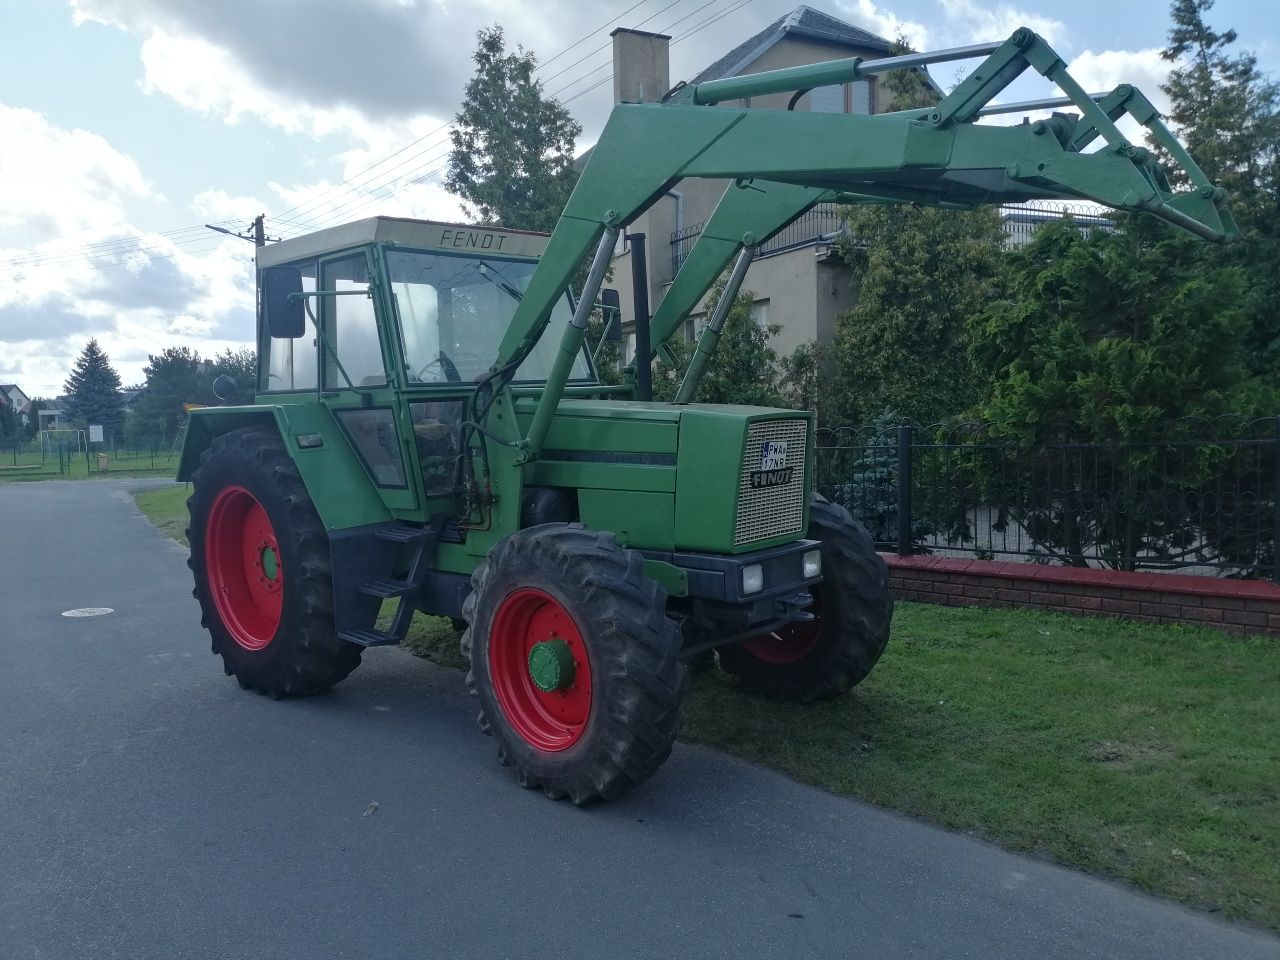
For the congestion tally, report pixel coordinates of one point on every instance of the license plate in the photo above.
(773, 455)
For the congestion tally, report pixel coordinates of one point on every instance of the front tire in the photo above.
(574, 661)
(831, 654)
(260, 559)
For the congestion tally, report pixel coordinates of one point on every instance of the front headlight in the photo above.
(752, 578)
(812, 566)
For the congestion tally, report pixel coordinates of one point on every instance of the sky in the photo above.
(127, 125)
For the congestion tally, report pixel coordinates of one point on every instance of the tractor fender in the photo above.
(339, 486)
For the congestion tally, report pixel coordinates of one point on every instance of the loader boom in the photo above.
(784, 162)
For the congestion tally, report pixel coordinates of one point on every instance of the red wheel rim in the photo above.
(242, 559)
(547, 720)
(791, 643)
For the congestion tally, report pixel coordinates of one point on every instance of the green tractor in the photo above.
(417, 437)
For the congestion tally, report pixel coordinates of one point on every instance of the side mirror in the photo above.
(224, 387)
(612, 304)
(281, 307)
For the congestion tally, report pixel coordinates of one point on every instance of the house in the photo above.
(797, 280)
(54, 415)
(130, 396)
(11, 396)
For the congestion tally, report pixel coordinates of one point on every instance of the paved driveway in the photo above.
(149, 808)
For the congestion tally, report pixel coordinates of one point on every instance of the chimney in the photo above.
(641, 66)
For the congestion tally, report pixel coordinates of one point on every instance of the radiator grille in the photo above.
(772, 511)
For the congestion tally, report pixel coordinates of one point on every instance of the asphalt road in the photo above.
(149, 808)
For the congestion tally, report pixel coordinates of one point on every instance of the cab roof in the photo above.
(403, 232)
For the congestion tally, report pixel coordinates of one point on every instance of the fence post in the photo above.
(904, 490)
(1275, 502)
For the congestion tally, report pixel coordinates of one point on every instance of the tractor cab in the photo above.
(390, 323)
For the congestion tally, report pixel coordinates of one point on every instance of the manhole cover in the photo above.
(88, 612)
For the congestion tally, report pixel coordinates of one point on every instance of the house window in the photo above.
(694, 325)
(827, 100)
(860, 97)
(760, 313)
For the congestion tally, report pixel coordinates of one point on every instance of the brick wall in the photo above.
(1238, 606)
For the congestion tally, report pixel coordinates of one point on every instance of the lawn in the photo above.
(166, 507)
(1144, 752)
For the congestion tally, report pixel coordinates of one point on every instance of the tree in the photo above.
(512, 156)
(1111, 333)
(178, 376)
(10, 422)
(1130, 339)
(93, 391)
(920, 273)
(1228, 113)
(806, 380)
(33, 416)
(242, 367)
(175, 376)
(744, 368)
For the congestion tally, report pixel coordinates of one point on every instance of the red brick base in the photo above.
(1238, 606)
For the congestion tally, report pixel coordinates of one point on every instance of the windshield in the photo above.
(454, 312)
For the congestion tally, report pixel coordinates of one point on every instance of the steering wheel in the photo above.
(447, 366)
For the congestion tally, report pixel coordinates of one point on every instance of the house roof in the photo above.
(803, 22)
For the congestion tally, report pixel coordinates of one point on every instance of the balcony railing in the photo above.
(824, 224)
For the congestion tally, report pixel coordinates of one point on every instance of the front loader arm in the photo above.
(937, 156)
(748, 214)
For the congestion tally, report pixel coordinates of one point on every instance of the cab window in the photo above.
(351, 324)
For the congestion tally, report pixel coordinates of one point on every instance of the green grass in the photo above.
(167, 509)
(1144, 752)
(1140, 751)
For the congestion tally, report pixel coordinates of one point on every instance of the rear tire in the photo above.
(830, 655)
(260, 559)
(612, 720)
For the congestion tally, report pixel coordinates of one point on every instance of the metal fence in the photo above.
(1195, 496)
(48, 458)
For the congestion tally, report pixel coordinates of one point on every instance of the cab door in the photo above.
(356, 382)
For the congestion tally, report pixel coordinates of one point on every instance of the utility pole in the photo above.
(258, 237)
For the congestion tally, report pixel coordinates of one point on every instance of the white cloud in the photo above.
(1144, 69)
(207, 79)
(882, 22)
(89, 181)
(970, 21)
(72, 266)
(1102, 72)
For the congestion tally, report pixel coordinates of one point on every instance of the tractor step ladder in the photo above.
(423, 540)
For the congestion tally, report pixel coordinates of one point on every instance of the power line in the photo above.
(312, 207)
(117, 244)
(182, 236)
(362, 202)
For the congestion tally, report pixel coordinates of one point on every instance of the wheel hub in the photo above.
(551, 665)
(270, 563)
